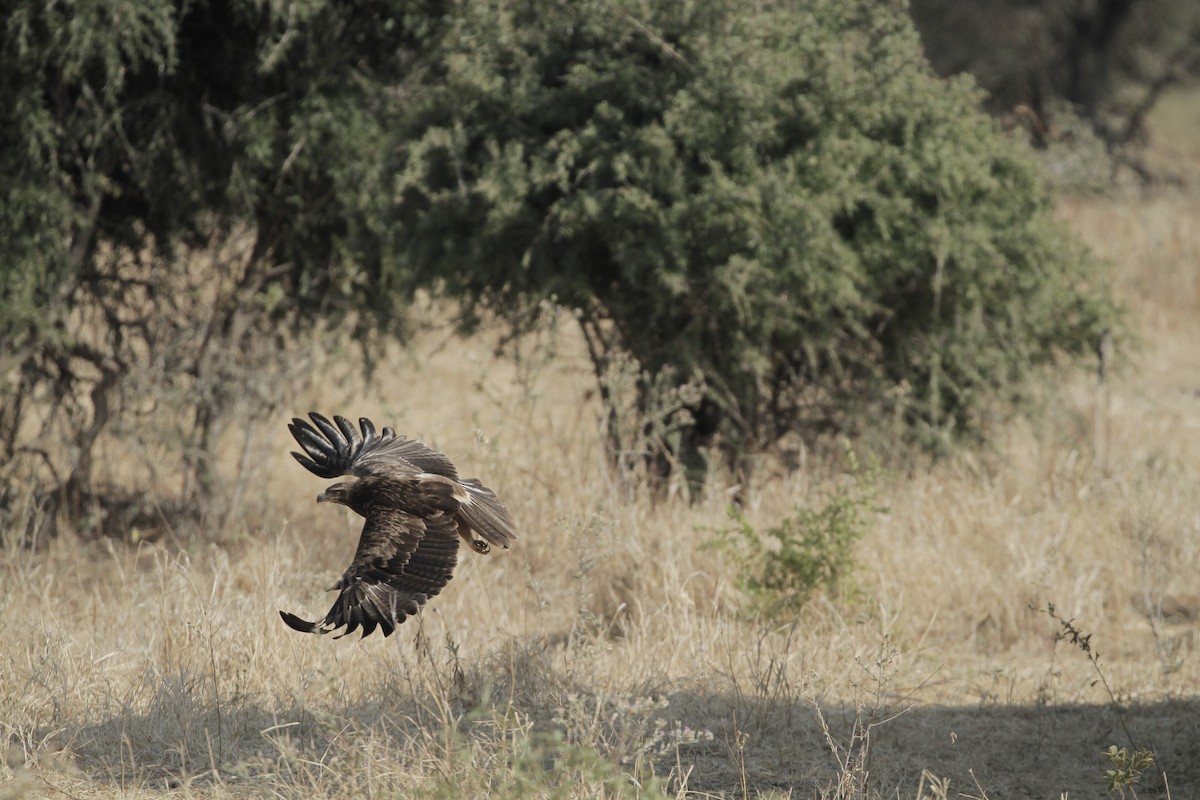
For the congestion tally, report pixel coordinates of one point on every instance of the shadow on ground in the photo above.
(989, 751)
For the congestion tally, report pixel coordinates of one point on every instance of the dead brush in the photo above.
(1128, 764)
(873, 708)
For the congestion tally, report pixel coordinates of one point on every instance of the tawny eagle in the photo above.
(416, 509)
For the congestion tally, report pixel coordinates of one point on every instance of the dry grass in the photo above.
(606, 655)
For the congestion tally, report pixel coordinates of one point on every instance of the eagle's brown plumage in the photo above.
(416, 509)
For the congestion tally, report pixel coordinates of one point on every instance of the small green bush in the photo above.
(810, 551)
(1127, 768)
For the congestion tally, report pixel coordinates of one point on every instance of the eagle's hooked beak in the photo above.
(324, 497)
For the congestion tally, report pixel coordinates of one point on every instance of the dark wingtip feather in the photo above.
(312, 442)
(332, 447)
(304, 626)
(331, 431)
(315, 468)
(348, 431)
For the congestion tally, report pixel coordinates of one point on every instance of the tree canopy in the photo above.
(783, 209)
(185, 181)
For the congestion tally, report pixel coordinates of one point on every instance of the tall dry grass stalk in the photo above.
(608, 655)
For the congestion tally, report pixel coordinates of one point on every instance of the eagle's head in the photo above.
(343, 493)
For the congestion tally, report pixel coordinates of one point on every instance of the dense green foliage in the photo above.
(773, 217)
(782, 207)
(126, 120)
(183, 181)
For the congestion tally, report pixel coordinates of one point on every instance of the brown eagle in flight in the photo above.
(416, 509)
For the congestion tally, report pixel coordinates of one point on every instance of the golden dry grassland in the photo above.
(609, 654)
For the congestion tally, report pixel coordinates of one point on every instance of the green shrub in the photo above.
(777, 203)
(1127, 768)
(810, 551)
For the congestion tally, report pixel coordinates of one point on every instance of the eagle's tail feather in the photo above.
(486, 515)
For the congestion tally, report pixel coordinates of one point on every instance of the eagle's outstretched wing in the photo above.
(402, 561)
(416, 508)
(335, 449)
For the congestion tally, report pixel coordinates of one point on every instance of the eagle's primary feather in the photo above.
(416, 509)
